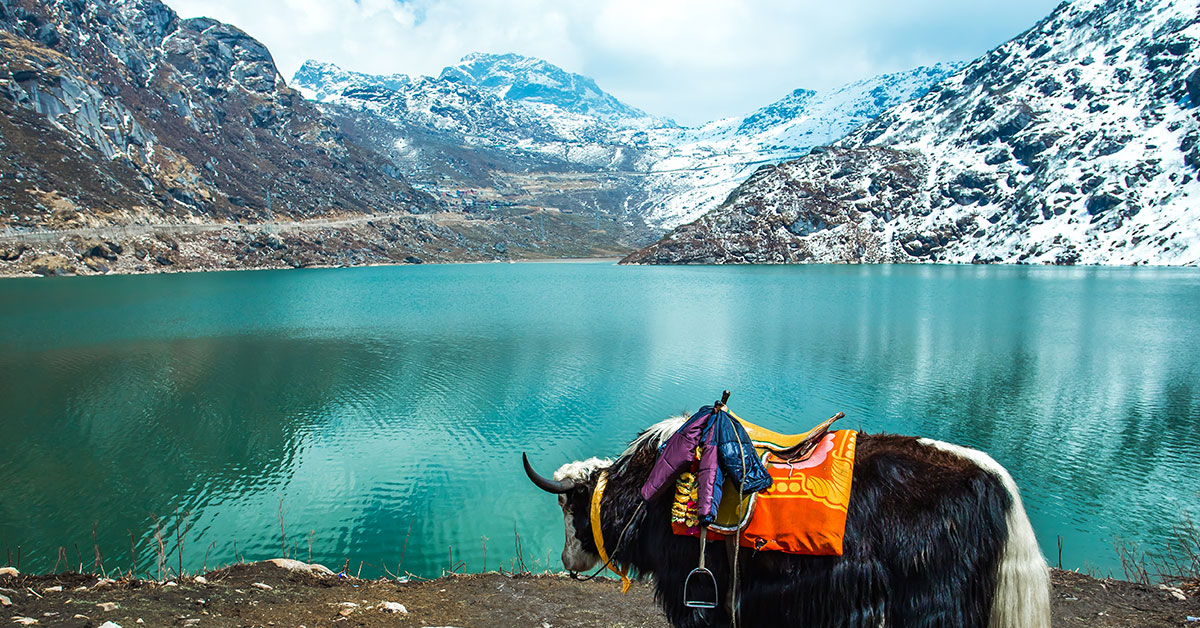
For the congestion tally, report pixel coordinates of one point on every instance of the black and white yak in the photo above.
(936, 536)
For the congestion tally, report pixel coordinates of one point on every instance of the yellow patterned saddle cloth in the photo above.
(804, 511)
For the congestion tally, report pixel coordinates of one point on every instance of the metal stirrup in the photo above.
(702, 576)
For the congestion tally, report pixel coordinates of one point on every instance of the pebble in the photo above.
(295, 565)
(103, 583)
(346, 612)
(9, 571)
(110, 624)
(201, 580)
(4, 601)
(1176, 592)
(392, 607)
(107, 606)
(263, 586)
(24, 621)
(170, 583)
(348, 604)
(78, 616)
(56, 589)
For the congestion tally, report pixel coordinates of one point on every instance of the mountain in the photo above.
(119, 113)
(320, 81)
(707, 163)
(136, 141)
(502, 131)
(519, 130)
(484, 112)
(529, 80)
(1076, 142)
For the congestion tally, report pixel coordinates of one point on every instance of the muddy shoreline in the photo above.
(263, 594)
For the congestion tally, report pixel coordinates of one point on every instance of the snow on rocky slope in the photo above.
(518, 114)
(509, 102)
(1076, 142)
(529, 80)
(706, 163)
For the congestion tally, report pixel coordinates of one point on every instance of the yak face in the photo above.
(575, 481)
(577, 554)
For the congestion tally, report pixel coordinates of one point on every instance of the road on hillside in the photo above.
(43, 236)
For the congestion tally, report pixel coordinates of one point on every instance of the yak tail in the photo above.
(1022, 595)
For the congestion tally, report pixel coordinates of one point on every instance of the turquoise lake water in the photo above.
(385, 409)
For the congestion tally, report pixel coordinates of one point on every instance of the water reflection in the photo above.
(120, 434)
(370, 402)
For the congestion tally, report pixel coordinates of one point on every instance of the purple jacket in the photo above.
(676, 457)
(727, 451)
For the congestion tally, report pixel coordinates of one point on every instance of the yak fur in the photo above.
(928, 528)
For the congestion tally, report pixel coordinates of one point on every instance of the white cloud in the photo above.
(693, 60)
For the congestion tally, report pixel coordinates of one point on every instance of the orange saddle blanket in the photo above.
(804, 511)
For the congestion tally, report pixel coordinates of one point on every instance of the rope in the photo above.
(735, 576)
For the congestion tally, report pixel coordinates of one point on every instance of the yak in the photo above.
(936, 536)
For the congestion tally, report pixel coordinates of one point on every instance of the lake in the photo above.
(379, 414)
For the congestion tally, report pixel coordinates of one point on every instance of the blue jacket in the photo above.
(727, 452)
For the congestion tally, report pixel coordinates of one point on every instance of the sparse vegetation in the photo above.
(1178, 565)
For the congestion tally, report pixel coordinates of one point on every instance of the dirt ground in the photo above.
(262, 594)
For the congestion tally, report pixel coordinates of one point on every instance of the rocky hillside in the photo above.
(135, 141)
(485, 109)
(122, 113)
(1076, 142)
(705, 164)
(525, 129)
(501, 131)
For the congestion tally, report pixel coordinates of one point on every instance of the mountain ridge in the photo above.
(717, 156)
(1075, 142)
(669, 174)
(137, 141)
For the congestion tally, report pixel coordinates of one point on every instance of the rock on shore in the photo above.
(300, 594)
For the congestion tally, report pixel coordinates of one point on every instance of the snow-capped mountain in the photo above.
(321, 81)
(529, 80)
(501, 115)
(708, 162)
(1076, 142)
(522, 106)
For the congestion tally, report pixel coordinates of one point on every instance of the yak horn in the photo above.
(557, 487)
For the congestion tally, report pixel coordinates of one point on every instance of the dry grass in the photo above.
(1179, 565)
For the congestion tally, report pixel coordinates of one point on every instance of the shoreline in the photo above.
(378, 241)
(288, 592)
(185, 271)
(587, 259)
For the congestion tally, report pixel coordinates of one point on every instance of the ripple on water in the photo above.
(370, 401)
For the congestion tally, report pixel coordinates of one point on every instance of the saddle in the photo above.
(790, 447)
(787, 523)
(735, 510)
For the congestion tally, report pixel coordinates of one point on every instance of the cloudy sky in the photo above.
(691, 60)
